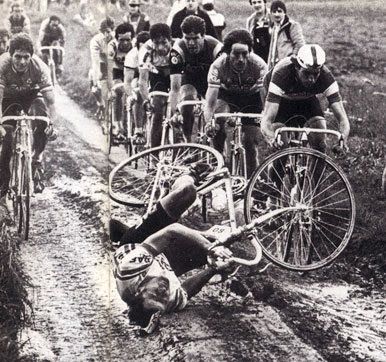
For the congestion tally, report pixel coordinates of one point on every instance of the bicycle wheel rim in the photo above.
(328, 217)
(135, 181)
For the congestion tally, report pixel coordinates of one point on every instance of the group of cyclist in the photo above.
(132, 59)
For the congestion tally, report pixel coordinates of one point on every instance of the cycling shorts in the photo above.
(25, 103)
(307, 108)
(159, 83)
(118, 74)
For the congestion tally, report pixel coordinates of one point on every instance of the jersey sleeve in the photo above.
(214, 75)
(3, 70)
(44, 82)
(177, 64)
(276, 87)
(329, 86)
(111, 50)
(131, 59)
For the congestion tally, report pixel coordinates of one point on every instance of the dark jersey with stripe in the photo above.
(282, 82)
(194, 67)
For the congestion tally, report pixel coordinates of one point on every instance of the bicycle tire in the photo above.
(329, 206)
(24, 198)
(133, 181)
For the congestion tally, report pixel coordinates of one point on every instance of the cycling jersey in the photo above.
(158, 66)
(48, 34)
(118, 56)
(27, 85)
(133, 262)
(194, 67)
(232, 83)
(282, 82)
(98, 52)
(18, 25)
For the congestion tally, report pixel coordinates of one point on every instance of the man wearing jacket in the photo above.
(191, 8)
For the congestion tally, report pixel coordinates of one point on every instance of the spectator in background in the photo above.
(176, 7)
(4, 40)
(136, 18)
(85, 17)
(290, 35)
(191, 8)
(258, 24)
(217, 19)
(18, 22)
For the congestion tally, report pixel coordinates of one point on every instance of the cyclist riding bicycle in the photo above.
(4, 40)
(234, 83)
(52, 33)
(292, 86)
(154, 75)
(18, 21)
(190, 59)
(131, 75)
(98, 53)
(156, 252)
(25, 85)
(116, 54)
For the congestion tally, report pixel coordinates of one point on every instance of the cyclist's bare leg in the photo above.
(187, 93)
(166, 212)
(318, 142)
(104, 96)
(38, 108)
(5, 158)
(159, 104)
(120, 97)
(138, 113)
(221, 136)
(250, 142)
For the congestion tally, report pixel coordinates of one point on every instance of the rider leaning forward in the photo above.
(25, 85)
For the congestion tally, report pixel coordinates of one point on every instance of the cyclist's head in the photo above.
(4, 40)
(54, 21)
(16, 9)
(106, 27)
(161, 36)
(258, 5)
(238, 45)
(155, 293)
(191, 5)
(124, 33)
(142, 38)
(146, 320)
(278, 11)
(208, 5)
(310, 60)
(193, 33)
(21, 49)
(134, 6)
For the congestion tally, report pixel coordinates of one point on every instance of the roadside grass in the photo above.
(14, 302)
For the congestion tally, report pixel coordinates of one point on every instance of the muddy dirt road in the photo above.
(78, 315)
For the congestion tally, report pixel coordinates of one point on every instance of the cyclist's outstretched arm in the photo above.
(270, 112)
(340, 114)
(129, 74)
(49, 98)
(175, 86)
(144, 83)
(210, 103)
(195, 283)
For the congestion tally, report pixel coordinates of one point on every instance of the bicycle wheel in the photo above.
(24, 197)
(318, 227)
(145, 177)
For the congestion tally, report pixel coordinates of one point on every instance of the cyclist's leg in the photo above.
(220, 136)
(166, 212)
(5, 158)
(187, 92)
(119, 99)
(38, 108)
(159, 105)
(139, 117)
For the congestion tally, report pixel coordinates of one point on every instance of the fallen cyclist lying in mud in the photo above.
(152, 255)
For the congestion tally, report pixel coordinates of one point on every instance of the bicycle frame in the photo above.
(51, 64)
(22, 150)
(238, 161)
